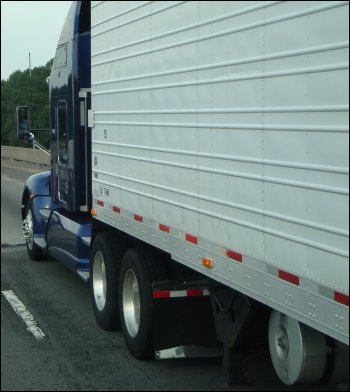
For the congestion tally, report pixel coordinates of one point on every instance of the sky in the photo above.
(30, 26)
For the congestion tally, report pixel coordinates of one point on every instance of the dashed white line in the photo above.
(24, 314)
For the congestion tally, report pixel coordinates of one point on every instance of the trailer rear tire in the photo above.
(135, 300)
(298, 352)
(106, 255)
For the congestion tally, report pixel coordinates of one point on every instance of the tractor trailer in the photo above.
(199, 177)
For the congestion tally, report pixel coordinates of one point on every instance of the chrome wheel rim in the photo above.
(131, 303)
(29, 230)
(99, 283)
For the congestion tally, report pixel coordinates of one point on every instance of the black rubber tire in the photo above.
(146, 268)
(34, 251)
(112, 250)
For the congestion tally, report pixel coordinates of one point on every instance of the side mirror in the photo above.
(22, 123)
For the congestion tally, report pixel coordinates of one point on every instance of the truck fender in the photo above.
(35, 185)
(37, 192)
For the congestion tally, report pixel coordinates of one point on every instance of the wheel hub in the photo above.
(298, 352)
(131, 303)
(99, 281)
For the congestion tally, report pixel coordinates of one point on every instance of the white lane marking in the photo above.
(23, 313)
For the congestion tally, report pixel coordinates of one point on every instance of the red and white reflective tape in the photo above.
(138, 218)
(230, 254)
(180, 293)
(191, 238)
(234, 255)
(164, 228)
(290, 278)
(341, 298)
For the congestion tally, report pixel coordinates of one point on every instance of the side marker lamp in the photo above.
(207, 263)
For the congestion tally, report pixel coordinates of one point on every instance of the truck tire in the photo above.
(139, 269)
(34, 252)
(298, 352)
(106, 255)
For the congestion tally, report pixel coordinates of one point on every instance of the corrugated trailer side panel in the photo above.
(226, 123)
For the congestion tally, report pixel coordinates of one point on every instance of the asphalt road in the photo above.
(13, 176)
(72, 352)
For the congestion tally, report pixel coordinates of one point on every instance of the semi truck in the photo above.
(199, 177)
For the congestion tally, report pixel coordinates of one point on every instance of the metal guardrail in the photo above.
(40, 147)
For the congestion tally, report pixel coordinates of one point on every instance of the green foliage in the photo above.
(22, 90)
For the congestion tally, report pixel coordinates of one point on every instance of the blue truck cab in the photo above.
(56, 204)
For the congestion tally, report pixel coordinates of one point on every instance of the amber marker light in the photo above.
(93, 212)
(207, 263)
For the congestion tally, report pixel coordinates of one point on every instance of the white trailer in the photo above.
(220, 135)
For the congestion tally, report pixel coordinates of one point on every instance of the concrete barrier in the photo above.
(25, 154)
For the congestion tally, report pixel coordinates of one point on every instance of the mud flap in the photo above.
(182, 315)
